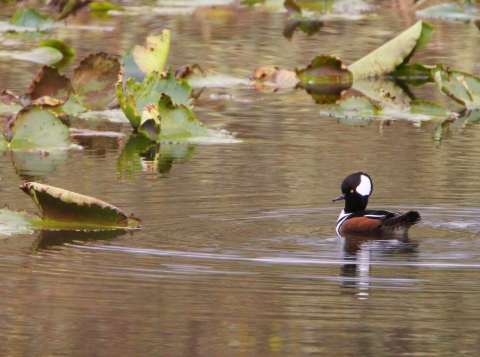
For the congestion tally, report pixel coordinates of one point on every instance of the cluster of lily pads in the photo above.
(158, 103)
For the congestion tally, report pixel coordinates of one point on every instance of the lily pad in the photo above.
(43, 55)
(274, 78)
(49, 82)
(33, 19)
(199, 78)
(460, 86)
(67, 209)
(170, 122)
(35, 127)
(13, 222)
(449, 12)
(67, 52)
(394, 53)
(134, 97)
(325, 69)
(94, 80)
(152, 57)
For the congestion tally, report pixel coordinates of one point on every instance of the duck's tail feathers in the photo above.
(401, 223)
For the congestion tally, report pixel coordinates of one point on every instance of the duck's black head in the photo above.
(356, 188)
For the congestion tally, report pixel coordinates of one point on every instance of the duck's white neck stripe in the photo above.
(340, 220)
(365, 187)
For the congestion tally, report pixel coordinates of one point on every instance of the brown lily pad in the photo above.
(75, 210)
(95, 80)
(49, 82)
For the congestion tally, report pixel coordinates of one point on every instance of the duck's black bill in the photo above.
(341, 197)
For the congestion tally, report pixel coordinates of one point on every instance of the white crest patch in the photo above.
(365, 187)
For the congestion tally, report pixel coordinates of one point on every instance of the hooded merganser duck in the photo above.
(355, 219)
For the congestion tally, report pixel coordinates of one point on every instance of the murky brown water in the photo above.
(238, 253)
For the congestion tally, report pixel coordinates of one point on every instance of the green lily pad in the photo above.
(43, 55)
(102, 6)
(415, 74)
(95, 80)
(13, 222)
(324, 70)
(35, 127)
(178, 121)
(134, 97)
(460, 86)
(67, 52)
(71, 210)
(33, 19)
(394, 53)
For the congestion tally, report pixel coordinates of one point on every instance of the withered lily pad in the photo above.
(324, 70)
(35, 127)
(460, 86)
(72, 210)
(397, 51)
(49, 82)
(95, 79)
(274, 78)
(199, 78)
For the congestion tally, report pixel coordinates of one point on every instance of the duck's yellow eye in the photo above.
(351, 191)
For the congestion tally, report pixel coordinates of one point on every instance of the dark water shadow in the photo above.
(53, 239)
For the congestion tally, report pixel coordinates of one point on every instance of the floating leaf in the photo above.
(31, 18)
(34, 127)
(198, 78)
(460, 86)
(272, 77)
(67, 7)
(94, 80)
(43, 55)
(49, 82)
(134, 97)
(429, 108)
(449, 12)
(72, 210)
(323, 70)
(416, 74)
(12, 222)
(178, 121)
(67, 52)
(397, 51)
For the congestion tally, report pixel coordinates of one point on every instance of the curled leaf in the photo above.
(462, 87)
(153, 57)
(397, 51)
(49, 82)
(75, 211)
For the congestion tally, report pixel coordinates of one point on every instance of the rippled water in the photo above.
(238, 253)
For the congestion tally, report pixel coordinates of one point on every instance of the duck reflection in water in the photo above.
(361, 250)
